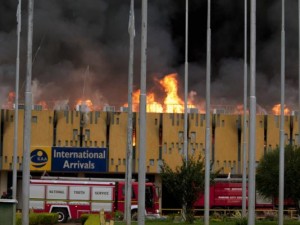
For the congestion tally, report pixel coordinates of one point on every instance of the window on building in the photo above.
(179, 150)
(34, 119)
(193, 151)
(180, 136)
(87, 134)
(165, 148)
(193, 136)
(75, 134)
(151, 162)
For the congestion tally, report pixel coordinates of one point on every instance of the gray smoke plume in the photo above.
(71, 35)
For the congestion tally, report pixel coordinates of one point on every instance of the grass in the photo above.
(211, 223)
(196, 222)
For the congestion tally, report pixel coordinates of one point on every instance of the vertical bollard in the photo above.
(102, 219)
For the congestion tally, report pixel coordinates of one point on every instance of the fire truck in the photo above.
(227, 194)
(72, 197)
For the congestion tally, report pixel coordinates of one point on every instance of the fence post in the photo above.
(102, 217)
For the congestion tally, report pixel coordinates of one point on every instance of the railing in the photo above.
(234, 213)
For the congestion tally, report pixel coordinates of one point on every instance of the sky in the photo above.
(81, 50)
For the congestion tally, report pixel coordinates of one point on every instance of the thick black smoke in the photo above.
(81, 49)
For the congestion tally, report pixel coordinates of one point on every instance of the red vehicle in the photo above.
(227, 194)
(72, 197)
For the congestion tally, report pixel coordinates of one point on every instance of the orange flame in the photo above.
(239, 109)
(10, 101)
(152, 105)
(172, 102)
(43, 104)
(85, 103)
(276, 110)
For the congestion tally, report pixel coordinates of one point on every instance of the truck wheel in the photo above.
(134, 215)
(62, 214)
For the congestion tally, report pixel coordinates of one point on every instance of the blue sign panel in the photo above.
(72, 159)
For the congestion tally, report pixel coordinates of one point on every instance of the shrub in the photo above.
(241, 221)
(38, 218)
(83, 218)
(48, 218)
(118, 216)
(92, 219)
(18, 219)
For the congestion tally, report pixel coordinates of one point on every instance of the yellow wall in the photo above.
(273, 131)
(260, 139)
(117, 141)
(94, 130)
(226, 143)
(68, 128)
(260, 143)
(244, 129)
(172, 139)
(152, 142)
(152, 152)
(8, 138)
(42, 128)
(41, 134)
(196, 135)
(295, 137)
(167, 147)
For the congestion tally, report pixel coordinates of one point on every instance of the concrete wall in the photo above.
(226, 143)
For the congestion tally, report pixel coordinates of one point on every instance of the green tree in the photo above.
(267, 174)
(185, 183)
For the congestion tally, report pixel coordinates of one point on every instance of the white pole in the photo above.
(281, 143)
(16, 119)
(298, 115)
(252, 139)
(185, 146)
(142, 141)
(131, 31)
(27, 119)
(207, 132)
(245, 129)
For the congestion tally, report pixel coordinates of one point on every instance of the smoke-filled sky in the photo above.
(81, 49)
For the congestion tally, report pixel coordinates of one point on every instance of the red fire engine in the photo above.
(71, 197)
(227, 193)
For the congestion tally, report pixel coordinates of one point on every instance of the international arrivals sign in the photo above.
(69, 159)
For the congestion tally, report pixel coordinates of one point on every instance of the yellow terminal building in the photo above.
(54, 133)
